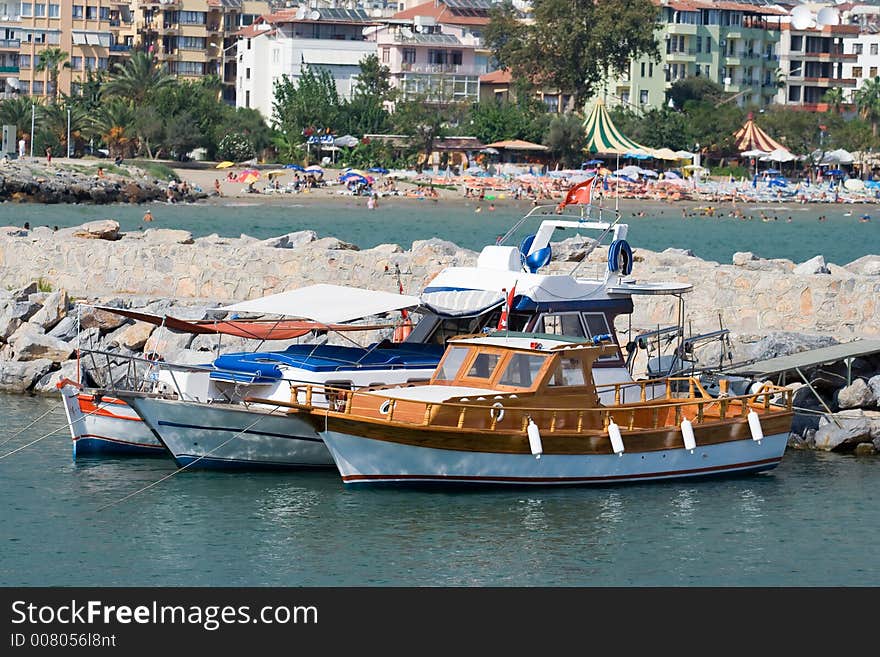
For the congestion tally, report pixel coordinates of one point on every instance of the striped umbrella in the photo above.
(751, 137)
(604, 137)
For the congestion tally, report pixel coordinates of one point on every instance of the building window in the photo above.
(643, 97)
(76, 63)
(247, 98)
(104, 13)
(873, 48)
(103, 63)
(91, 13)
(651, 70)
(795, 69)
(27, 9)
(409, 55)
(699, 44)
(39, 10)
(247, 74)
(794, 94)
(643, 69)
(54, 11)
(91, 63)
(386, 54)
(38, 87)
(191, 43)
(708, 45)
(797, 44)
(248, 44)
(873, 72)
(24, 61)
(78, 11)
(857, 71)
(857, 49)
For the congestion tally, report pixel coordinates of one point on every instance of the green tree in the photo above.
(138, 79)
(312, 101)
(113, 124)
(867, 100)
(51, 60)
(498, 120)
(374, 79)
(695, 87)
(17, 111)
(423, 122)
(835, 98)
(566, 139)
(573, 45)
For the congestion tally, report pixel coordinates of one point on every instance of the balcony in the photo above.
(830, 56)
(831, 82)
(9, 69)
(442, 68)
(681, 28)
(120, 47)
(689, 55)
(10, 44)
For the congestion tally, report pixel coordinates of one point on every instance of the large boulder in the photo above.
(30, 343)
(855, 395)
(53, 311)
(48, 382)
(65, 329)
(103, 320)
(843, 431)
(167, 236)
(17, 376)
(812, 266)
(103, 229)
(291, 240)
(131, 336)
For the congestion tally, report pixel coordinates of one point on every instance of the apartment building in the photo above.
(288, 41)
(732, 43)
(191, 36)
(435, 49)
(814, 58)
(865, 48)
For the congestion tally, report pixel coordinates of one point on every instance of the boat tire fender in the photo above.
(620, 257)
(497, 411)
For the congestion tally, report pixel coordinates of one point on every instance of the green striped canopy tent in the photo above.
(604, 137)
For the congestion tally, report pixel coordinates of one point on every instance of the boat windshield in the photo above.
(570, 372)
(451, 363)
(484, 365)
(521, 370)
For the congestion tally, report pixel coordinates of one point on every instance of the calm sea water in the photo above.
(810, 522)
(840, 239)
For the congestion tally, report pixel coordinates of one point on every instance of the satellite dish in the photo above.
(377, 13)
(301, 13)
(419, 28)
(315, 15)
(802, 18)
(13, 83)
(828, 16)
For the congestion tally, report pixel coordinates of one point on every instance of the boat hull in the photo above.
(230, 437)
(369, 461)
(101, 425)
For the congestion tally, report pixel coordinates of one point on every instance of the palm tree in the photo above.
(52, 59)
(867, 100)
(834, 97)
(17, 111)
(112, 123)
(137, 79)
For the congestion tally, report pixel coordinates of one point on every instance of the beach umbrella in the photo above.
(314, 169)
(248, 176)
(590, 163)
(225, 165)
(755, 153)
(834, 172)
(382, 170)
(294, 167)
(276, 172)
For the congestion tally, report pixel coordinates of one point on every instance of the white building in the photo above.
(285, 43)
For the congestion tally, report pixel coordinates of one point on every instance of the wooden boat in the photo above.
(524, 409)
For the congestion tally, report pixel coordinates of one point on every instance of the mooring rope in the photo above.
(22, 430)
(179, 470)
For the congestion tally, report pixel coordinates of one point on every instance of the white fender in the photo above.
(755, 426)
(616, 438)
(535, 439)
(687, 432)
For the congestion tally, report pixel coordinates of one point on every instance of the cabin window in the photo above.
(452, 363)
(521, 370)
(569, 373)
(563, 324)
(483, 366)
(596, 324)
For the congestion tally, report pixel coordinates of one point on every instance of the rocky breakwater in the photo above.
(32, 181)
(772, 307)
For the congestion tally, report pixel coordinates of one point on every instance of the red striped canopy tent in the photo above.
(750, 137)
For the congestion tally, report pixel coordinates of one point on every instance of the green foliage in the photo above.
(573, 46)
(496, 121)
(43, 285)
(17, 111)
(157, 170)
(424, 122)
(235, 147)
(696, 88)
(311, 102)
(867, 101)
(566, 139)
(138, 78)
(374, 80)
(51, 59)
(737, 172)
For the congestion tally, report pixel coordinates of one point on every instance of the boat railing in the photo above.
(504, 412)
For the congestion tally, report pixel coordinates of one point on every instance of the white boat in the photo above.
(524, 410)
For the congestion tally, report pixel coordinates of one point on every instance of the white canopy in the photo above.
(754, 153)
(779, 155)
(328, 304)
(838, 156)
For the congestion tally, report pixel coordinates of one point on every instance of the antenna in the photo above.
(802, 18)
(828, 16)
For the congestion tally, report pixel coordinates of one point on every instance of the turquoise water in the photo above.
(810, 522)
(840, 239)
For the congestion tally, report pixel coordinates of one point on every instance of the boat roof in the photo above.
(810, 358)
(513, 339)
(434, 393)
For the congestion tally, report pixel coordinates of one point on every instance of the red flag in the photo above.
(582, 193)
(505, 309)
